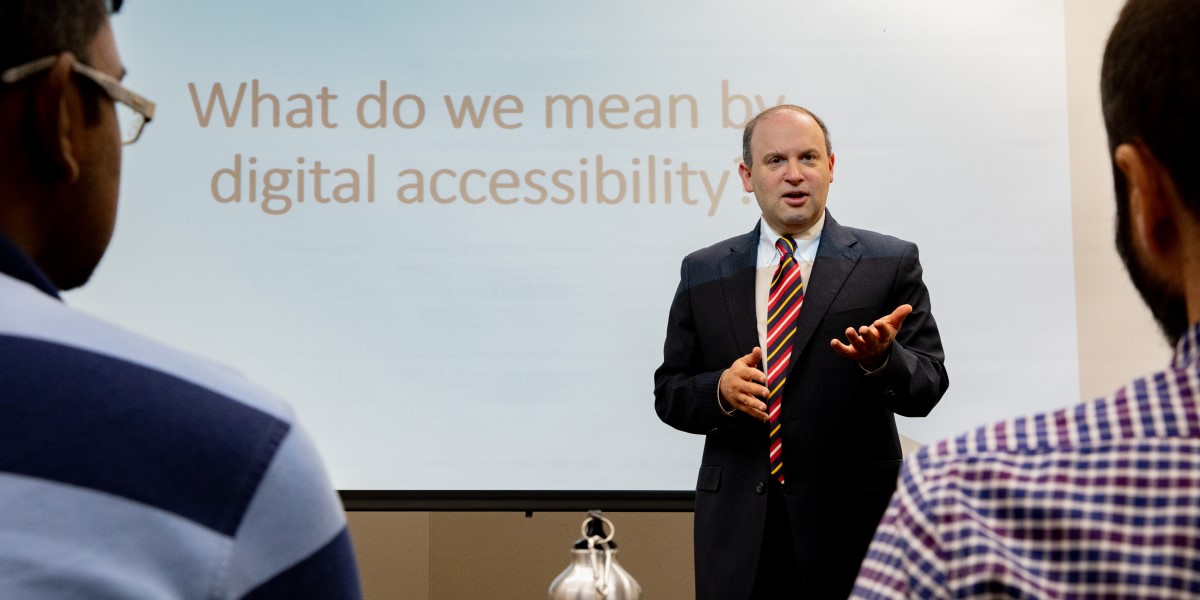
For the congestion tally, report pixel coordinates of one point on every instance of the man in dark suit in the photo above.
(795, 478)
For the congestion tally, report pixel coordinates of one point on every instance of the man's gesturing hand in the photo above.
(869, 345)
(742, 384)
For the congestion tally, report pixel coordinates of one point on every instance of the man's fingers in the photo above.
(853, 338)
(746, 367)
(743, 396)
(841, 349)
(869, 341)
(853, 345)
(753, 407)
(859, 343)
(897, 317)
(758, 414)
(744, 372)
(877, 335)
(741, 385)
(753, 358)
(752, 392)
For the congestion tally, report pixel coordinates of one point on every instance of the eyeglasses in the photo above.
(133, 111)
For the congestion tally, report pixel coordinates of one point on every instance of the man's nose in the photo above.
(793, 174)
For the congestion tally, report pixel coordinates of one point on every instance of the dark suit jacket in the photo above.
(841, 449)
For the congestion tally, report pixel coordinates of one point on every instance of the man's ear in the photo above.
(56, 106)
(1153, 203)
(744, 173)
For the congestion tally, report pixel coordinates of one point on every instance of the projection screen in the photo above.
(449, 232)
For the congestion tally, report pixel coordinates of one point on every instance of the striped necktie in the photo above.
(783, 305)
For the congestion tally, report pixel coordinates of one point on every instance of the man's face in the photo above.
(790, 171)
(88, 206)
(1166, 300)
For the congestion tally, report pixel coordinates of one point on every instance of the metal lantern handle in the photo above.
(612, 529)
(600, 578)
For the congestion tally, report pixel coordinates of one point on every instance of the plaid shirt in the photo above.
(1099, 501)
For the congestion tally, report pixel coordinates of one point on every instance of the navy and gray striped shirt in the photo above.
(132, 470)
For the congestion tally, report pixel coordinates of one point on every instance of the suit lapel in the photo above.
(737, 273)
(837, 255)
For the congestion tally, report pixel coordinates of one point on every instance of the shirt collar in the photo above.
(806, 242)
(1187, 351)
(15, 264)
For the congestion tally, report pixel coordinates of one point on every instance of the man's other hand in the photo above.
(870, 344)
(742, 386)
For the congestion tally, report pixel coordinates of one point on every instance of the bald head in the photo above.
(748, 132)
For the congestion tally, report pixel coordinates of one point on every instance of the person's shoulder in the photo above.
(874, 242)
(57, 334)
(1013, 440)
(1131, 414)
(194, 440)
(719, 250)
(876, 237)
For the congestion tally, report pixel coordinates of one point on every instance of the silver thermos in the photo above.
(594, 573)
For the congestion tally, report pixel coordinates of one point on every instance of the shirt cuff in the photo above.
(873, 373)
(720, 404)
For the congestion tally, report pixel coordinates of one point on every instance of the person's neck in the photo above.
(807, 233)
(1189, 267)
(17, 222)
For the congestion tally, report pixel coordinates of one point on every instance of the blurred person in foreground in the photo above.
(1101, 500)
(127, 469)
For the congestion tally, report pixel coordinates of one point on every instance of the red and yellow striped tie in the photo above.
(783, 305)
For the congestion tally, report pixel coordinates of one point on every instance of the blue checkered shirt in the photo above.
(1101, 500)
